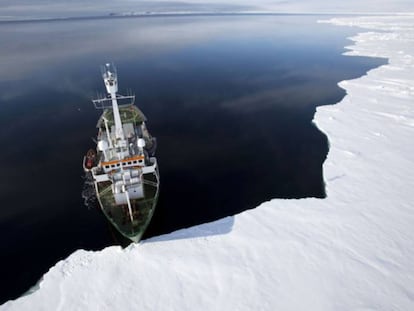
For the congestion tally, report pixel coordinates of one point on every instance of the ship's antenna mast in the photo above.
(111, 83)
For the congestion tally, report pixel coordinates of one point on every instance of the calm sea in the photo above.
(229, 98)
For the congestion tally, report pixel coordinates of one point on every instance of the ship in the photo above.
(123, 168)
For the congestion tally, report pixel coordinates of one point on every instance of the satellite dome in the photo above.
(141, 143)
(102, 145)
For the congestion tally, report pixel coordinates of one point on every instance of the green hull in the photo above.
(142, 209)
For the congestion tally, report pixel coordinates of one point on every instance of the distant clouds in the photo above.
(11, 9)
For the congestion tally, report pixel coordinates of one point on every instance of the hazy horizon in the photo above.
(25, 9)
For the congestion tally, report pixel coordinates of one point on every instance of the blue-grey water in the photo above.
(230, 99)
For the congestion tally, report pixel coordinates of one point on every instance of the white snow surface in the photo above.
(353, 250)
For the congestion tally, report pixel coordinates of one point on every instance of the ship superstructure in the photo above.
(124, 168)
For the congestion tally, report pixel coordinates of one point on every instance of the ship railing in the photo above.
(106, 102)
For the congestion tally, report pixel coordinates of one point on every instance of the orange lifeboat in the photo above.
(89, 159)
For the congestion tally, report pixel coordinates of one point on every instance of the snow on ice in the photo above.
(353, 250)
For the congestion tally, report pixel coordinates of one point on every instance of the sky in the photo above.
(18, 9)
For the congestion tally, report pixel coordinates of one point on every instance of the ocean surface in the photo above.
(229, 98)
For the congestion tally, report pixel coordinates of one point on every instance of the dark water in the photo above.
(230, 99)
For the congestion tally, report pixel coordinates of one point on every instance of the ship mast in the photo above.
(111, 83)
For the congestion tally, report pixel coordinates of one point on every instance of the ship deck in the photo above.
(129, 114)
(142, 209)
